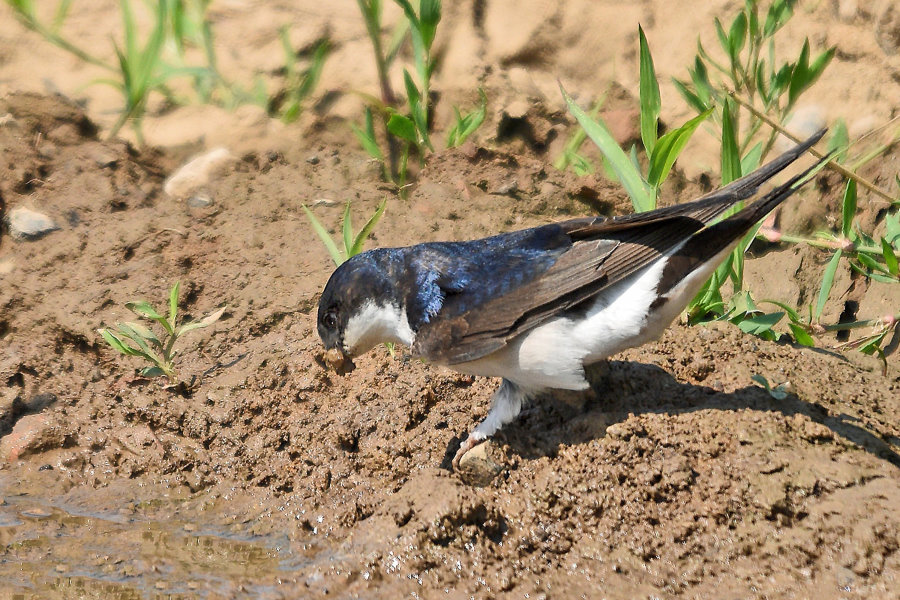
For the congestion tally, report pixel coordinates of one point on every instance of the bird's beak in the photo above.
(338, 360)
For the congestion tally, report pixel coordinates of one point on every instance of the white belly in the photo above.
(553, 355)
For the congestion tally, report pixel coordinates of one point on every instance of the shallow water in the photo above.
(152, 544)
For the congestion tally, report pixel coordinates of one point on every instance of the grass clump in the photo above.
(407, 131)
(662, 151)
(748, 96)
(135, 339)
(352, 244)
(148, 66)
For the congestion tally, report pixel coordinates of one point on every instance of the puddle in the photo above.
(64, 546)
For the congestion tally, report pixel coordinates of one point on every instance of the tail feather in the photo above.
(710, 242)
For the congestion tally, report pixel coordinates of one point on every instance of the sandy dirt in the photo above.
(272, 477)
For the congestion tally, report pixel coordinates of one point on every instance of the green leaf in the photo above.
(205, 322)
(792, 314)
(871, 264)
(827, 282)
(890, 259)
(689, 96)
(320, 230)
(801, 335)
(720, 33)
(839, 140)
(751, 160)
(737, 36)
(777, 392)
(417, 110)
(731, 156)
(117, 344)
(126, 330)
(638, 190)
(670, 147)
(367, 229)
(402, 127)
(367, 137)
(848, 208)
(757, 325)
(152, 372)
(144, 309)
(649, 95)
(892, 229)
(700, 78)
(468, 124)
(173, 302)
(348, 231)
(144, 332)
(779, 13)
(429, 17)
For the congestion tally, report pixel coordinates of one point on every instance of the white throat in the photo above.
(375, 324)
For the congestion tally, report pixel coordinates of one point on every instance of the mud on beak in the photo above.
(338, 360)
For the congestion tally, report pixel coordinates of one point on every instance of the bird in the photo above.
(535, 306)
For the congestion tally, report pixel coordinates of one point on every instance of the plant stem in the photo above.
(831, 163)
(845, 245)
(859, 324)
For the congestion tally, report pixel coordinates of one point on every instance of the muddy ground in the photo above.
(273, 477)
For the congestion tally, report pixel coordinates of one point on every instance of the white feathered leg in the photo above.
(505, 406)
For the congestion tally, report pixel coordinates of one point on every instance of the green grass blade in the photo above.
(839, 141)
(129, 30)
(290, 57)
(367, 229)
(59, 17)
(429, 17)
(848, 209)
(152, 372)
(145, 332)
(367, 137)
(347, 231)
(205, 322)
(760, 324)
(801, 336)
(136, 337)
(890, 259)
(638, 190)
(468, 124)
(827, 282)
(731, 156)
(403, 128)
(669, 147)
(751, 160)
(117, 344)
(173, 302)
(320, 230)
(649, 95)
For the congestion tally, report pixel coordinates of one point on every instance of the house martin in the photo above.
(535, 306)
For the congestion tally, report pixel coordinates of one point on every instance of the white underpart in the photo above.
(553, 355)
(374, 324)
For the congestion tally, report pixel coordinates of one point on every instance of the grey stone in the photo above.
(27, 224)
(477, 467)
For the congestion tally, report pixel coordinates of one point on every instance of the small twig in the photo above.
(835, 166)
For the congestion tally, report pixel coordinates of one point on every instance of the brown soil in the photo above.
(273, 477)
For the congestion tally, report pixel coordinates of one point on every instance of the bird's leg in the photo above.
(505, 406)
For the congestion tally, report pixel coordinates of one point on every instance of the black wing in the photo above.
(486, 300)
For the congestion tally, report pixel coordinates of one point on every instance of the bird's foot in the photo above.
(469, 443)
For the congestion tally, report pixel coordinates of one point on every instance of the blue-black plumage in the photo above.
(537, 305)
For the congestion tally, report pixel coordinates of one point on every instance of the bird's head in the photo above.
(360, 308)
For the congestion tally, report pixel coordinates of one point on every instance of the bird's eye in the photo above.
(330, 320)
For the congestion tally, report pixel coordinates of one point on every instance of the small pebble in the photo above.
(198, 173)
(27, 224)
(199, 201)
(476, 467)
(313, 160)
